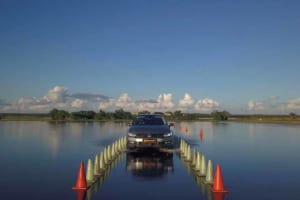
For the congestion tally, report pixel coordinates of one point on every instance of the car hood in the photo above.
(150, 129)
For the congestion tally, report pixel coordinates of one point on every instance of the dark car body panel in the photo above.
(149, 129)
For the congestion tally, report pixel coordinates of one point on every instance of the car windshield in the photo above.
(148, 121)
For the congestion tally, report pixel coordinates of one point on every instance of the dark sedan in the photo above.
(149, 131)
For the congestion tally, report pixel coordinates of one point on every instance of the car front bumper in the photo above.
(136, 142)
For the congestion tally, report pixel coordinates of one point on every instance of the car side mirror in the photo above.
(171, 124)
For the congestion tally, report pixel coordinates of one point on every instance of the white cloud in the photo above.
(60, 98)
(77, 103)
(272, 106)
(186, 101)
(105, 105)
(293, 104)
(125, 102)
(256, 106)
(56, 95)
(206, 105)
(164, 101)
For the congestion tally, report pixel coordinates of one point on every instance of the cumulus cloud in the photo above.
(163, 102)
(124, 101)
(77, 103)
(57, 95)
(206, 105)
(187, 101)
(89, 97)
(273, 106)
(256, 106)
(294, 104)
(146, 101)
(26, 105)
(106, 105)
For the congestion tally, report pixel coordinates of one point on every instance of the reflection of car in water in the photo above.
(149, 164)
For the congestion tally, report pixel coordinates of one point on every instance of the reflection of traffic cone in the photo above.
(208, 192)
(113, 151)
(209, 179)
(96, 166)
(90, 193)
(201, 134)
(194, 158)
(108, 153)
(219, 195)
(188, 156)
(101, 162)
(81, 194)
(218, 181)
(105, 156)
(180, 145)
(198, 161)
(118, 147)
(184, 149)
(203, 166)
(81, 181)
(124, 142)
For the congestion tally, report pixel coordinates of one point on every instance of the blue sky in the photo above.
(242, 56)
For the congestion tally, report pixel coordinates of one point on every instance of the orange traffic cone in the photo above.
(81, 194)
(219, 195)
(81, 181)
(201, 138)
(201, 133)
(218, 181)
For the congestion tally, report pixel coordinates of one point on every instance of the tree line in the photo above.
(121, 114)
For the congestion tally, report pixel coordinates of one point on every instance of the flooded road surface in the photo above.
(40, 160)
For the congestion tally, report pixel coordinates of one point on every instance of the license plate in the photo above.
(149, 140)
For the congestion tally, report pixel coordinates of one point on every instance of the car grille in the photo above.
(146, 135)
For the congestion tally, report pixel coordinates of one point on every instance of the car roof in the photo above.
(149, 115)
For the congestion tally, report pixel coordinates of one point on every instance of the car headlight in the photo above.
(131, 134)
(168, 134)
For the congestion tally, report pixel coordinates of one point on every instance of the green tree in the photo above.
(101, 115)
(121, 114)
(220, 115)
(144, 112)
(178, 115)
(56, 114)
(83, 115)
(292, 115)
